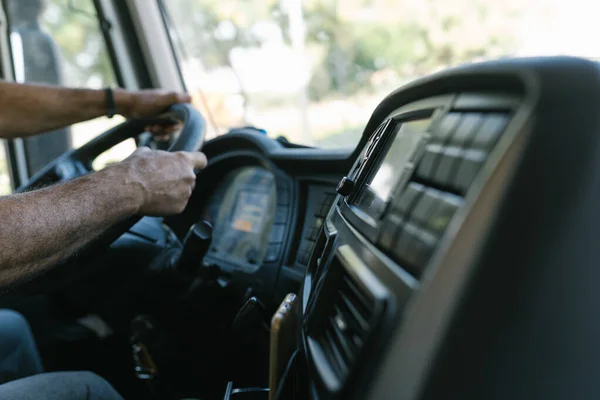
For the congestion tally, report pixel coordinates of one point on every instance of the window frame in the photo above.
(106, 26)
(153, 39)
(126, 76)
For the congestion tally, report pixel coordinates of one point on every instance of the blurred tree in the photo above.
(210, 29)
(354, 47)
(75, 28)
(355, 38)
(213, 28)
(407, 37)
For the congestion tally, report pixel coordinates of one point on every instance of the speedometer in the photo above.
(242, 210)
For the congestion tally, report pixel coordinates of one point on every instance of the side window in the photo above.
(4, 176)
(60, 42)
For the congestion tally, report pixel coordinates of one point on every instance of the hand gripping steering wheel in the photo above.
(78, 162)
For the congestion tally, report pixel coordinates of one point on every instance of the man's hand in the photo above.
(165, 180)
(76, 212)
(146, 103)
(56, 107)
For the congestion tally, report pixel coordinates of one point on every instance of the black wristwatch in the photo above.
(111, 105)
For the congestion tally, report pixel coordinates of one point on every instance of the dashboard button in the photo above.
(408, 197)
(492, 127)
(403, 242)
(447, 205)
(389, 232)
(482, 101)
(277, 233)
(449, 161)
(426, 167)
(450, 154)
(424, 206)
(283, 197)
(465, 130)
(420, 250)
(468, 168)
(441, 131)
(415, 247)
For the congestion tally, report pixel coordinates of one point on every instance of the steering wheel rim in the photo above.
(191, 138)
(77, 162)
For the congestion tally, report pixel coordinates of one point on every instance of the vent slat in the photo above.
(366, 302)
(345, 324)
(359, 317)
(344, 338)
(335, 355)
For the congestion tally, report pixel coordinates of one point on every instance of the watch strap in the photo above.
(111, 105)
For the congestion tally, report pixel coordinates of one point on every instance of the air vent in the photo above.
(350, 307)
(346, 326)
(314, 223)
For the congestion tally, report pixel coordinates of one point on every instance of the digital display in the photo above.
(407, 137)
(249, 211)
(376, 194)
(242, 210)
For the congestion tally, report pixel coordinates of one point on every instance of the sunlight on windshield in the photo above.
(314, 70)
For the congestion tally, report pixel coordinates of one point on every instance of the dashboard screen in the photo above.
(242, 211)
(376, 193)
(249, 214)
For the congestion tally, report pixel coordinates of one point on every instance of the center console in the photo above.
(395, 209)
(423, 188)
(459, 257)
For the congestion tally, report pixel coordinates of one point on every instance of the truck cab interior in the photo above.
(401, 200)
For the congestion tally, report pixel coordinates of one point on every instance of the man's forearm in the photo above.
(41, 228)
(27, 110)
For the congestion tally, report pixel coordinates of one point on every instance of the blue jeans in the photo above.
(22, 376)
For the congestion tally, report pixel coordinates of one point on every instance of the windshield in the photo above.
(314, 70)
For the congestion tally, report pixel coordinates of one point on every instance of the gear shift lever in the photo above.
(195, 246)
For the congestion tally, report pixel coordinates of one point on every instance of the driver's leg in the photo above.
(59, 386)
(18, 353)
(20, 364)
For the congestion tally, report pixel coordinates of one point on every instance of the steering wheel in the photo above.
(78, 162)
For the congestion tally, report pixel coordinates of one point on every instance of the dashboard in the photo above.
(267, 204)
(438, 272)
(452, 254)
(403, 193)
(241, 211)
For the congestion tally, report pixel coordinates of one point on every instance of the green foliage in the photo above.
(354, 39)
(78, 36)
(213, 28)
